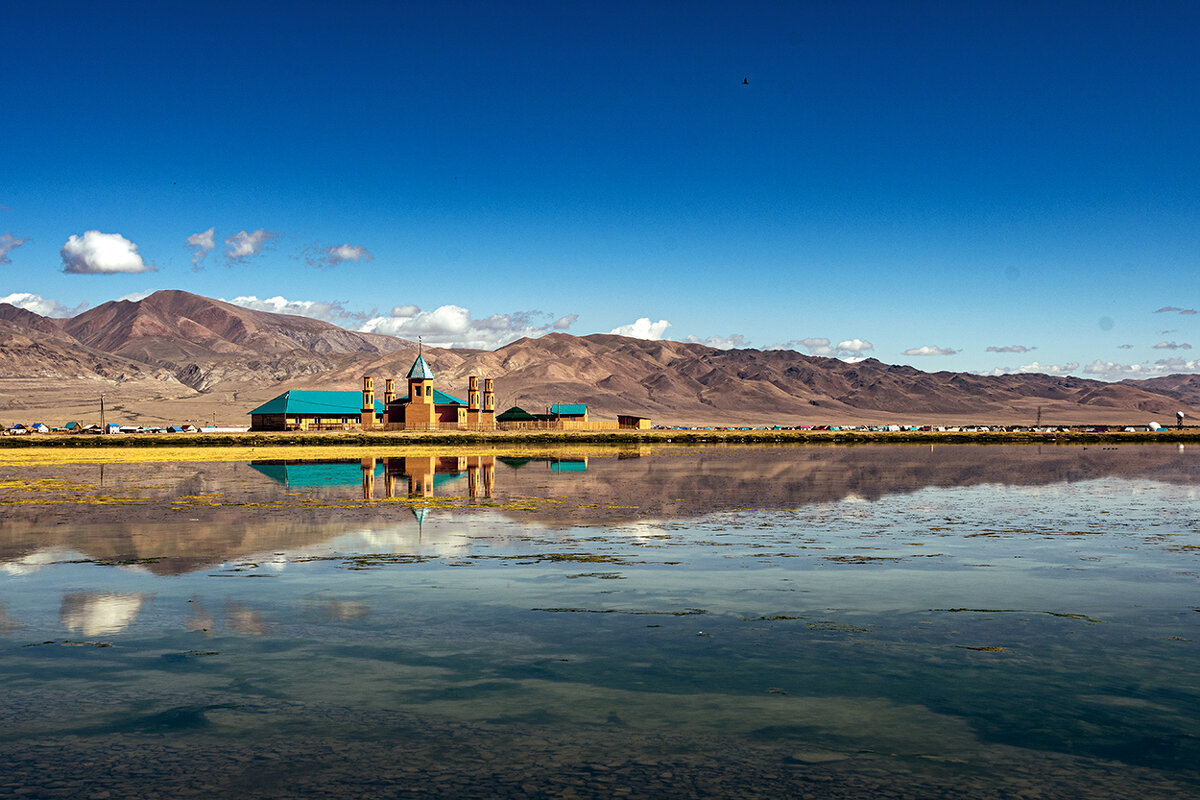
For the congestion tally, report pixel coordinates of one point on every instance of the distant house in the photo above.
(73, 427)
(630, 422)
(39, 427)
(572, 412)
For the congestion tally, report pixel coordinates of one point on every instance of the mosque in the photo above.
(424, 408)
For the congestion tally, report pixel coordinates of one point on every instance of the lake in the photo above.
(656, 622)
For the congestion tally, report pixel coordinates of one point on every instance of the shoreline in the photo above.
(658, 437)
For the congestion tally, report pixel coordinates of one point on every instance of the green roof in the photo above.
(440, 398)
(331, 404)
(314, 474)
(515, 414)
(420, 369)
(569, 409)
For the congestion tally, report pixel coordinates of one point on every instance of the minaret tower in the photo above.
(367, 417)
(421, 412)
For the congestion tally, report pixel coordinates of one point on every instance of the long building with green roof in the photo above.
(423, 408)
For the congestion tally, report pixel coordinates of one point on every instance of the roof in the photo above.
(420, 369)
(440, 398)
(334, 404)
(569, 409)
(515, 414)
(314, 474)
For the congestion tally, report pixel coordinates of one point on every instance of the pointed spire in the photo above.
(420, 369)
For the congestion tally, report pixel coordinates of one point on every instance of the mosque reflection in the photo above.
(473, 477)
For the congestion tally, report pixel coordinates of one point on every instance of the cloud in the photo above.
(929, 350)
(1011, 348)
(133, 297)
(565, 322)
(453, 326)
(1174, 309)
(1109, 370)
(41, 305)
(1172, 346)
(244, 245)
(847, 349)
(8, 243)
(730, 342)
(317, 256)
(813, 345)
(97, 253)
(332, 311)
(204, 244)
(1038, 369)
(1124, 347)
(643, 328)
(854, 346)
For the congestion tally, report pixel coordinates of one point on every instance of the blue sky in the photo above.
(964, 186)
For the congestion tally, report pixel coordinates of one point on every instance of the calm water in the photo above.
(721, 622)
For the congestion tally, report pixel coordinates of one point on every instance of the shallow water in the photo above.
(880, 621)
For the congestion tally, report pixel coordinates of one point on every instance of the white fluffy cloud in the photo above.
(8, 243)
(1010, 348)
(96, 253)
(332, 311)
(332, 256)
(854, 346)
(1172, 346)
(813, 345)
(730, 342)
(643, 328)
(244, 245)
(204, 243)
(453, 326)
(847, 349)
(41, 305)
(929, 350)
(1038, 369)
(1109, 370)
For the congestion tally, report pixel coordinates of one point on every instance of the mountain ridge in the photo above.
(178, 347)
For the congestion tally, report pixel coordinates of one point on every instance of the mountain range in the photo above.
(175, 356)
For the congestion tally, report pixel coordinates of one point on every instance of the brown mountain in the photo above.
(206, 342)
(1184, 388)
(175, 355)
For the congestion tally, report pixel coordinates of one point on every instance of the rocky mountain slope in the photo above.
(209, 356)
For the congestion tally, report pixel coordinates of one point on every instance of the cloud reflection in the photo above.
(99, 613)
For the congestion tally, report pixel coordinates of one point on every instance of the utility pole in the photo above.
(1039, 418)
(103, 427)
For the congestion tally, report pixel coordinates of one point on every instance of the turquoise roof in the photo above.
(420, 369)
(314, 474)
(569, 409)
(440, 398)
(331, 404)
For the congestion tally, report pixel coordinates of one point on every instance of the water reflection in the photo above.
(100, 613)
(175, 519)
(423, 476)
(837, 622)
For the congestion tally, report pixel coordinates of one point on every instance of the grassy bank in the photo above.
(551, 438)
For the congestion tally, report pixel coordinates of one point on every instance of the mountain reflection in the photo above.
(183, 517)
